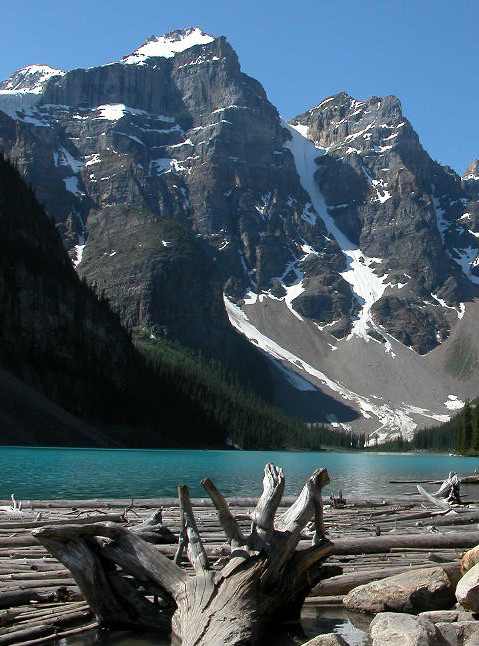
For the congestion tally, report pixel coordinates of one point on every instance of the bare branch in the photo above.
(297, 516)
(194, 549)
(153, 531)
(263, 515)
(137, 556)
(230, 526)
(182, 539)
(292, 522)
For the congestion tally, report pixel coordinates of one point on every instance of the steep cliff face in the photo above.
(341, 247)
(112, 149)
(400, 209)
(470, 181)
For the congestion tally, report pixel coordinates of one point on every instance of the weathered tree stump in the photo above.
(265, 580)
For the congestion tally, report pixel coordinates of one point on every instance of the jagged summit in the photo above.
(472, 171)
(31, 78)
(168, 45)
(341, 247)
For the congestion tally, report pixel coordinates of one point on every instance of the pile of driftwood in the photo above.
(216, 571)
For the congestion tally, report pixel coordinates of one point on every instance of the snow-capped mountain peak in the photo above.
(31, 78)
(472, 171)
(168, 45)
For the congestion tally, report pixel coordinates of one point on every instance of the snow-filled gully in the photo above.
(365, 284)
(367, 288)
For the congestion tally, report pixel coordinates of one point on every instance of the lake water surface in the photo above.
(36, 473)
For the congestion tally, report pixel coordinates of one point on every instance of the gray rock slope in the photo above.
(343, 250)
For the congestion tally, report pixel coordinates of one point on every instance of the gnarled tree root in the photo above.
(265, 580)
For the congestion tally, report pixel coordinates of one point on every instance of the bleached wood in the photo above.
(264, 513)
(230, 527)
(194, 547)
(233, 606)
(438, 502)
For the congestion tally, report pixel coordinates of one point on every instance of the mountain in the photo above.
(470, 180)
(68, 353)
(342, 249)
(70, 373)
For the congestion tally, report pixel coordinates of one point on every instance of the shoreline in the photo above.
(30, 579)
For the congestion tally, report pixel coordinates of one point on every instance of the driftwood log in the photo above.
(264, 581)
(448, 493)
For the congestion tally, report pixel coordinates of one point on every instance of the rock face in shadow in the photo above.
(57, 336)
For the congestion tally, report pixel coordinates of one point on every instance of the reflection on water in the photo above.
(314, 621)
(36, 473)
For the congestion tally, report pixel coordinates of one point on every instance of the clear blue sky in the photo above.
(424, 51)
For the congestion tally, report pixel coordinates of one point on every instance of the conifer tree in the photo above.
(466, 429)
(475, 429)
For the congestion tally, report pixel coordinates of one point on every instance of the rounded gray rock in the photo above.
(328, 639)
(467, 590)
(397, 629)
(415, 591)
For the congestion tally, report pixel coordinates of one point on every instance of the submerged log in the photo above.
(265, 580)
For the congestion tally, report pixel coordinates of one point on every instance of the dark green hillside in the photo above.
(70, 374)
(182, 300)
(248, 421)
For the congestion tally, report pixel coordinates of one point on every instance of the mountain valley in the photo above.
(332, 241)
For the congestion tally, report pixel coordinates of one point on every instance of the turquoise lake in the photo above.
(35, 473)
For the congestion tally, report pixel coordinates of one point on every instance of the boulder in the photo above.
(470, 633)
(397, 629)
(328, 639)
(415, 591)
(469, 560)
(467, 590)
(447, 616)
(458, 627)
(460, 633)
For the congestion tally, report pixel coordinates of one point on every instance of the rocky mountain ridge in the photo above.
(336, 228)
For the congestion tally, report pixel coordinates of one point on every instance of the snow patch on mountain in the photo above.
(22, 91)
(393, 421)
(166, 165)
(465, 257)
(366, 285)
(453, 402)
(15, 104)
(168, 45)
(63, 158)
(71, 184)
(292, 377)
(31, 78)
(79, 248)
(459, 311)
